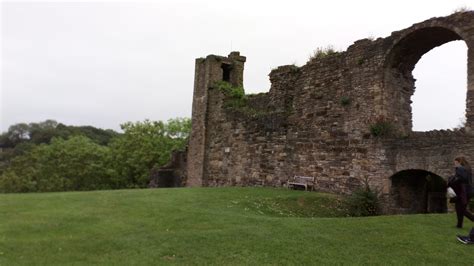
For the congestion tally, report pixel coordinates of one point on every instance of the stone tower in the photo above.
(207, 71)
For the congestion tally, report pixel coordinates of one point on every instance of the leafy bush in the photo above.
(228, 89)
(12, 183)
(363, 202)
(381, 127)
(236, 98)
(345, 100)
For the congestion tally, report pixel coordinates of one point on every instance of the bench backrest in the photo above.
(303, 179)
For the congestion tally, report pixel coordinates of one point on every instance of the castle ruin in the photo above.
(342, 118)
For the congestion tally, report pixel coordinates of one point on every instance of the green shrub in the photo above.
(345, 100)
(363, 202)
(236, 98)
(381, 127)
(77, 163)
(12, 183)
(229, 90)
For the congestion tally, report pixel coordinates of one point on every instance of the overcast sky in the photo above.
(105, 63)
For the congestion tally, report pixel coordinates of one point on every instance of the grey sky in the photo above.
(105, 63)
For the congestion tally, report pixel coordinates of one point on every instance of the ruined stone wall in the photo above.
(316, 119)
(301, 127)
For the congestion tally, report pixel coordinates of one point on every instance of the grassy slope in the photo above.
(218, 226)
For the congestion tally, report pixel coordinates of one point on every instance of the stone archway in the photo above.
(406, 50)
(418, 191)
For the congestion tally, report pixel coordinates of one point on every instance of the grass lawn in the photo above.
(216, 226)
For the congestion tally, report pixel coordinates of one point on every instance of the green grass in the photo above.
(218, 226)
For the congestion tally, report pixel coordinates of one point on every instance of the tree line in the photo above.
(51, 156)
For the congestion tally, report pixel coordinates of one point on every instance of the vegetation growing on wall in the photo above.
(236, 97)
(345, 101)
(462, 9)
(322, 52)
(293, 68)
(382, 127)
(236, 100)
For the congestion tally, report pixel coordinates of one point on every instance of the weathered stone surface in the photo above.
(316, 119)
(173, 174)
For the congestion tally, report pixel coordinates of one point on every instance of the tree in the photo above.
(20, 138)
(18, 133)
(56, 157)
(145, 145)
(74, 164)
(43, 132)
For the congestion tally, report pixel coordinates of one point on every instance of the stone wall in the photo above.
(316, 119)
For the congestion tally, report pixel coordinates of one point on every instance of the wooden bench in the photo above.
(302, 181)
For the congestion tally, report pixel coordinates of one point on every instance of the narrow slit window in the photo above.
(226, 68)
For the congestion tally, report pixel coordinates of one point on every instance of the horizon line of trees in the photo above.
(50, 156)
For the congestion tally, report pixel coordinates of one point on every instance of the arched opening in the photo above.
(439, 100)
(399, 83)
(418, 191)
